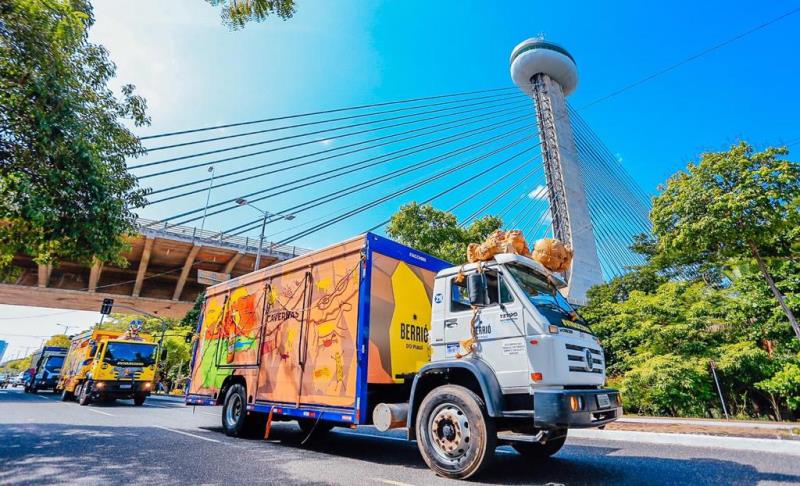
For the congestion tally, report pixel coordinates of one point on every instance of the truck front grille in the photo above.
(576, 356)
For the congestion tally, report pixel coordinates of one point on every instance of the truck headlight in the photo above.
(99, 384)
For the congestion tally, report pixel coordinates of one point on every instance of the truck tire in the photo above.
(535, 450)
(236, 420)
(138, 400)
(454, 434)
(66, 396)
(83, 397)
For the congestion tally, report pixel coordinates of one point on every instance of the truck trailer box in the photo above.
(308, 337)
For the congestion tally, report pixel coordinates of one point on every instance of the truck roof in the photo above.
(505, 258)
(346, 246)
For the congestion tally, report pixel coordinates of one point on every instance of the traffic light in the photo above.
(189, 338)
(105, 308)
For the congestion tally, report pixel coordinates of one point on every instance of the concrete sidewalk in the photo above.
(744, 424)
(773, 446)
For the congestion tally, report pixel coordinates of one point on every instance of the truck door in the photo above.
(499, 328)
(329, 329)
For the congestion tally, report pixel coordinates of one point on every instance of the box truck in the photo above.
(104, 364)
(372, 332)
(45, 369)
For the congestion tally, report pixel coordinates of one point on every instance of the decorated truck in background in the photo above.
(45, 369)
(372, 332)
(104, 364)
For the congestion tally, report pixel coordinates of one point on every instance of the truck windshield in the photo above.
(130, 354)
(54, 364)
(547, 299)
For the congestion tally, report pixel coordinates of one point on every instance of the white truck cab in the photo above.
(535, 368)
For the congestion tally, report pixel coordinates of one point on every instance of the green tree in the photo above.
(731, 205)
(785, 384)
(237, 13)
(60, 340)
(65, 192)
(437, 232)
(668, 384)
(192, 317)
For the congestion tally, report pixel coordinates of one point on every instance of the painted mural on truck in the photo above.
(291, 333)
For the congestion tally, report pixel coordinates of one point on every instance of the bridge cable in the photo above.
(355, 166)
(322, 112)
(383, 178)
(329, 120)
(325, 131)
(412, 187)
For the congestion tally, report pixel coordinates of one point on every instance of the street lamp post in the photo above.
(265, 214)
(208, 198)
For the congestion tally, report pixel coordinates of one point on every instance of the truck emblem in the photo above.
(437, 298)
(589, 360)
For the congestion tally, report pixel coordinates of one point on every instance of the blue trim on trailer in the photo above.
(344, 416)
(202, 400)
(406, 254)
(363, 333)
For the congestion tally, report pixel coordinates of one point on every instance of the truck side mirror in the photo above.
(163, 354)
(477, 289)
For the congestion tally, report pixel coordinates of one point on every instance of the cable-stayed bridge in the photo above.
(519, 152)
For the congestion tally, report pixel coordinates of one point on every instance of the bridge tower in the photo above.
(547, 73)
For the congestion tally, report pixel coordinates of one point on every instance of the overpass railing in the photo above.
(193, 235)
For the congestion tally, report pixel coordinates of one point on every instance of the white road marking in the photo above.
(187, 433)
(100, 412)
(209, 413)
(389, 481)
(43, 397)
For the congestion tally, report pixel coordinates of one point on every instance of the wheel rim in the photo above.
(450, 433)
(234, 410)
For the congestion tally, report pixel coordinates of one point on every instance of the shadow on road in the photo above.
(575, 464)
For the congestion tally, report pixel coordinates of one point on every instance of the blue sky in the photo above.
(194, 72)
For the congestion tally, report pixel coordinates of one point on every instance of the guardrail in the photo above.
(243, 244)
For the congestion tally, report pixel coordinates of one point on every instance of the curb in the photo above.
(774, 446)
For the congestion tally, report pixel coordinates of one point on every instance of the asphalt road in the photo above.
(43, 440)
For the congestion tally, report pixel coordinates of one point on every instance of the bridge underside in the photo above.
(161, 276)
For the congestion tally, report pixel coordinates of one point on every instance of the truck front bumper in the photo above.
(120, 389)
(575, 408)
(45, 384)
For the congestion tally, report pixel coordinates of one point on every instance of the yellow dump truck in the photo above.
(106, 365)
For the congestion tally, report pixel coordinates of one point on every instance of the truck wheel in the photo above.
(535, 450)
(138, 400)
(236, 421)
(454, 434)
(83, 397)
(66, 396)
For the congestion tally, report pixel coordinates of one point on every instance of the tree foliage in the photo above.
(59, 340)
(437, 232)
(733, 204)
(64, 189)
(702, 296)
(237, 13)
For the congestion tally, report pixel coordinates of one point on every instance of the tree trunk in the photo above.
(777, 293)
